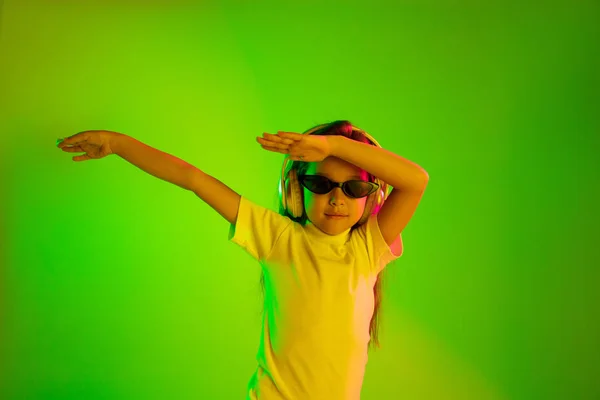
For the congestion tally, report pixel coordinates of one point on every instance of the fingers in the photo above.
(271, 143)
(73, 140)
(275, 149)
(82, 158)
(276, 138)
(72, 149)
(76, 149)
(291, 136)
(277, 143)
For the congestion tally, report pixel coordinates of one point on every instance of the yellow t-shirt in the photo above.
(318, 303)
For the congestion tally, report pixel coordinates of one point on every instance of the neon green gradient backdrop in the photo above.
(116, 285)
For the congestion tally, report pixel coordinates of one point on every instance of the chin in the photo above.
(336, 225)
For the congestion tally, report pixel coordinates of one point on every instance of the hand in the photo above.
(96, 144)
(312, 148)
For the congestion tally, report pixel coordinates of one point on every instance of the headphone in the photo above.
(291, 194)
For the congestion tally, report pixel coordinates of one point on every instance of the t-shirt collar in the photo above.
(321, 236)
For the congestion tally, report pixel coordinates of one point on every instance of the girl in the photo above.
(322, 256)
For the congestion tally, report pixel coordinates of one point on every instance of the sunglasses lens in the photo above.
(321, 185)
(317, 184)
(358, 189)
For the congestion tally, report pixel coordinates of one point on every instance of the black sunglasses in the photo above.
(321, 185)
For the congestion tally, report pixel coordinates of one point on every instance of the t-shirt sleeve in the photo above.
(257, 229)
(380, 253)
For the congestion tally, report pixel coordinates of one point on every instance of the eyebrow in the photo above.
(327, 176)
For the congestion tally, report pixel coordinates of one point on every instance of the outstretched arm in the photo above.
(174, 170)
(155, 162)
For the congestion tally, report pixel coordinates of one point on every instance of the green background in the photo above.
(117, 285)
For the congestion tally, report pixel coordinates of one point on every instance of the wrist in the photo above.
(334, 143)
(116, 141)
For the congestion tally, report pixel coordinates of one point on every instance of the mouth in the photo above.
(335, 216)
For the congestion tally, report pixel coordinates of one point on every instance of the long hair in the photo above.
(341, 128)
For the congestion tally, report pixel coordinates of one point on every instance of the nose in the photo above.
(336, 195)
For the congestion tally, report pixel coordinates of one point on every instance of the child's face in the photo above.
(336, 201)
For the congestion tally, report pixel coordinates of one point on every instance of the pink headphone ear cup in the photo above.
(373, 204)
(368, 209)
